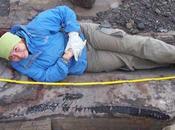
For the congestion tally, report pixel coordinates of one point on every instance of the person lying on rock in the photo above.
(54, 45)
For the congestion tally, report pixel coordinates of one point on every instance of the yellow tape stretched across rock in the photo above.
(87, 83)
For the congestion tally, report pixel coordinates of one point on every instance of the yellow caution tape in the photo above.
(87, 83)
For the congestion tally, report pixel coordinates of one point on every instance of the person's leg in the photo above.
(99, 61)
(118, 41)
(135, 63)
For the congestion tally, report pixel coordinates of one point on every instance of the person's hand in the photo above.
(68, 55)
(76, 44)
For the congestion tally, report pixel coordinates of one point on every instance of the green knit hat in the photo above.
(7, 43)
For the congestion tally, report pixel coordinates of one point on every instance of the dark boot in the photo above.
(84, 3)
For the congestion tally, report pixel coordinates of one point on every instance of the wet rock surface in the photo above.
(141, 16)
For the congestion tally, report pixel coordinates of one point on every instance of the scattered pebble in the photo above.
(148, 15)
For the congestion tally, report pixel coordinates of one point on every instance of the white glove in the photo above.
(76, 44)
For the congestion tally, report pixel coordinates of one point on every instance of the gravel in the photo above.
(136, 16)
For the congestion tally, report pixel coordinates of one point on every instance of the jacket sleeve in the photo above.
(56, 72)
(61, 17)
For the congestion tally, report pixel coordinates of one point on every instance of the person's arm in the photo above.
(55, 19)
(56, 72)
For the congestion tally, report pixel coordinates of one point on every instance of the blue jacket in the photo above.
(46, 37)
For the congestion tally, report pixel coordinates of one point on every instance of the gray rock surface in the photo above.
(153, 99)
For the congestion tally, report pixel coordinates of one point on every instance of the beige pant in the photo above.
(111, 49)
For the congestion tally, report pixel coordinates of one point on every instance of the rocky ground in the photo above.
(140, 16)
(133, 16)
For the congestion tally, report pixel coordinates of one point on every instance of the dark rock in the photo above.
(95, 19)
(167, 14)
(84, 3)
(141, 26)
(69, 96)
(147, 5)
(157, 11)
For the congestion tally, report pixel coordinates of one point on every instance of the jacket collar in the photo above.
(22, 32)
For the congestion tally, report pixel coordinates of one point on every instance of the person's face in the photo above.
(19, 52)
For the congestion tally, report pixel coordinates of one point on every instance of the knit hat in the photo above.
(7, 43)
